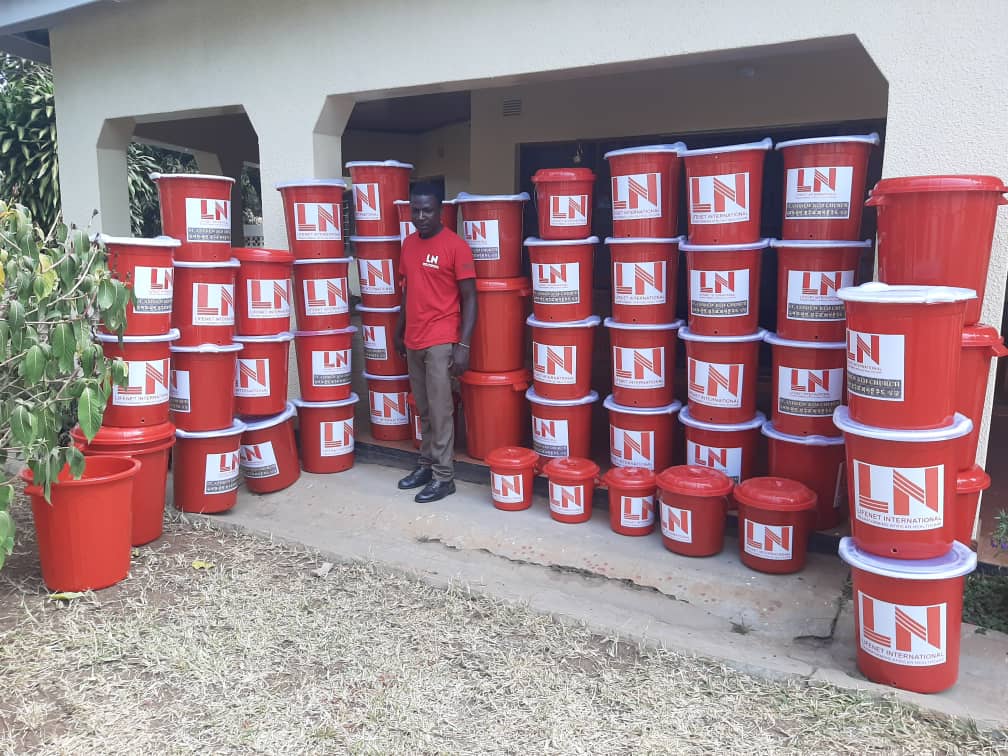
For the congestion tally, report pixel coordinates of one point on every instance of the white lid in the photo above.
(535, 241)
(269, 422)
(956, 563)
(208, 348)
(157, 241)
(872, 138)
(158, 176)
(668, 409)
(685, 246)
(232, 263)
(362, 308)
(366, 239)
(352, 399)
(882, 293)
(312, 182)
(466, 197)
(401, 202)
(764, 144)
(108, 338)
(383, 163)
(590, 322)
(772, 338)
(687, 335)
(272, 338)
(327, 332)
(610, 240)
(687, 419)
(312, 261)
(620, 326)
(815, 244)
(448, 202)
(961, 426)
(677, 147)
(236, 427)
(371, 377)
(771, 432)
(533, 397)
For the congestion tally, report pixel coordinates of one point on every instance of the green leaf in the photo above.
(90, 409)
(77, 461)
(34, 364)
(15, 315)
(6, 496)
(6, 536)
(4, 339)
(23, 425)
(61, 338)
(106, 294)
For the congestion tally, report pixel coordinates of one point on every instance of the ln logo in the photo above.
(636, 196)
(326, 296)
(214, 210)
(821, 283)
(507, 489)
(550, 438)
(252, 377)
(389, 408)
(816, 180)
(337, 438)
(431, 261)
(375, 342)
(769, 541)
(719, 293)
(566, 500)
(715, 384)
(208, 220)
(875, 365)
(719, 199)
(912, 636)
(318, 221)
(213, 304)
(636, 511)
(376, 276)
(330, 367)
(899, 498)
(811, 294)
(178, 391)
(259, 460)
(556, 283)
(725, 459)
(483, 237)
(148, 384)
(717, 282)
(639, 368)
(676, 524)
(552, 274)
(367, 202)
(221, 472)
(268, 298)
(569, 210)
(819, 192)
(630, 448)
(555, 364)
(640, 283)
(153, 290)
(810, 393)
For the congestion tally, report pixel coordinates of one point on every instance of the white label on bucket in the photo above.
(252, 377)
(222, 471)
(719, 199)
(875, 365)
(631, 448)
(639, 283)
(148, 384)
(638, 195)
(556, 283)
(769, 541)
(726, 459)
(336, 438)
(259, 460)
(899, 498)
(178, 391)
(405, 229)
(330, 367)
(809, 393)
(811, 294)
(715, 384)
(208, 220)
(569, 209)
(389, 408)
(636, 368)
(550, 437)
(566, 500)
(375, 342)
(318, 221)
(819, 193)
(507, 489)
(213, 304)
(152, 289)
(554, 364)
(325, 296)
(367, 202)
(719, 293)
(376, 276)
(904, 634)
(636, 511)
(676, 524)
(268, 298)
(417, 427)
(483, 237)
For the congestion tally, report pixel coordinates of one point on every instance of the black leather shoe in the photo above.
(435, 491)
(421, 476)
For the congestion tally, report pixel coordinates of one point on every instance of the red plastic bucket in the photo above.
(809, 275)
(322, 294)
(981, 344)
(561, 427)
(571, 488)
(693, 502)
(722, 375)
(378, 326)
(498, 339)
(564, 202)
(449, 217)
(808, 384)
(921, 218)
(496, 413)
(492, 227)
(378, 270)
(512, 473)
(387, 399)
(644, 278)
(645, 190)
(323, 360)
(902, 486)
(643, 362)
(562, 357)
(269, 455)
(641, 437)
(145, 266)
(144, 401)
(775, 519)
(724, 282)
(969, 484)
(263, 292)
(201, 389)
(206, 469)
(204, 306)
(313, 211)
(327, 434)
(730, 449)
(416, 422)
(903, 350)
(83, 531)
(908, 617)
(562, 274)
(819, 463)
(824, 185)
(196, 210)
(725, 193)
(376, 187)
(260, 381)
(631, 500)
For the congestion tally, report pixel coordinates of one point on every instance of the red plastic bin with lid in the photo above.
(196, 210)
(261, 375)
(645, 189)
(562, 357)
(731, 449)
(203, 309)
(496, 413)
(641, 436)
(378, 270)
(631, 500)
(206, 469)
(572, 483)
(327, 434)
(693, 503)
(378, 327)
(313, 212)
(724, 282)
(201, 388)
(324, 359)
(561, 427)
(145, 267)
(970, 483)
(775, 520)
(512, 474)
(981, 345)
(824, 185)
(498, 339)
(645, 275)
(321, 293)
(562, 272)
(721, 374)
(492, 227)
(263, 291)
(807, 380)
(144, 400)
(388, 402)
(377, 184)
(269, 455)
(921, 218)
(643, 362)
(564, 199)
(817, 461)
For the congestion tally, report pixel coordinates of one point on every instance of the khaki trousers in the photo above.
(431, 381)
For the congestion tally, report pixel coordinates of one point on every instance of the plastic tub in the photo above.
(512, 473)
(640, 437)
(631, 500)
(321, 293)
(263, 291)
(313, 211)
(378, 270)
(564, 199)
(496, 413)
(260, 383)
(206, 469)
(145, 267)
(645, 189)
(204, 306)
(196, 210)
(201, 391)
(327, 434)
(562, 357)
(492, 227)
(722, 375)
(323, 360)
(144, 400)
(644, 278)
(808, 384)
(693, 502)
(969, 484)
(775, 519)
(378, 326)
(377, 184)
(981, 345)
(730, 449)
(269, 455)
(389, 407)
(498, 339)
(561, 427)
(571, 488)
(816, 461)
(562, 273)
(643, 362)
(724, 283)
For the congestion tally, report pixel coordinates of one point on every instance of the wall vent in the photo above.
(512, 107)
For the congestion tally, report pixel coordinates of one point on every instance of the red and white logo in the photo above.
(222, 472)
(715, 384)
(719, 293)
(376, 276)
(148, 384)
(483, 238)
(318, 221)
(367, 202)
(336, 438)
(909, 635)
(554, 364)
(818, 193)
(726, 459)
(405, 229)
(630, 448)
(213, 304)
(268, 298)
(208, 220)
(719, 199)
(556, 283)
(566, 500)
(389, 408)
(875, 365)
(252, 377)
(330, 367)
(639, 283)
(811, 294)
(325, 296)
(638, 195)
(375, 342)
(152, 290)
(769, 541)
(676, 524)
(507, 489)
(550, 437)
(809, 393)
(636, 511)
(899, 498)
(178, 391)
(259, 460)
(569, 210)
(636, 368)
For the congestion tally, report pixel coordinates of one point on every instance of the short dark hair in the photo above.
(426, 189)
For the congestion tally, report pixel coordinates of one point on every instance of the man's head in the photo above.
(425, 209)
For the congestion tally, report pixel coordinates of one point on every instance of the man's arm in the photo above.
(399, 339)
(460, 355)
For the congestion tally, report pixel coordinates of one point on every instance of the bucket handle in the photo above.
(874, 201)
(999, 349)
(520, 386)
(525, 292)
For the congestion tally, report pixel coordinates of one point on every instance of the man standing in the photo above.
(435, 324)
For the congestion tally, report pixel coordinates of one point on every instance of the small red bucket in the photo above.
(981, 345)
(903, 350)
(643, 362)
(725, 193)
(809, 275)
(808, 384)
(561, 427)
(693, 502)
(644, 278)
(824, 185)
(323, 360)
(816, 461)
(269, 455)
(908, 617)
(496, 413)
(492, 227)
(263, 291)
(564, 202)
(260, 382)
(144, 400)
(313, 211)
(321, 293)
(571, 488)
(196, 210)
(562, 357)
(724, 282)
(921, 218)
(387, 398)
(377, 184)
(641, 437)
(201, 389)
(631, 500)
(512, 473)
(729, 449)
(969, 484)
(722, 375)
(378, 326)
(498, 339)
(378, 270)
(204, 302)
(645, 190)
(775, 519)
(327, 434)
(562, 274)
(206, 469)
(902, 486)
(145, 266)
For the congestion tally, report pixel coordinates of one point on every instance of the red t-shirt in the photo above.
(430, 270)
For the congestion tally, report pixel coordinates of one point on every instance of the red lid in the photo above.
(570, 469)
(972, 480)
(563, 174)
(982, 336)
(517, 378)
(781, 494)
(258, 254)
(502, 284)
(125, 439)
(637, 479)
(510, 457)
(940, 184)
(695, 480)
